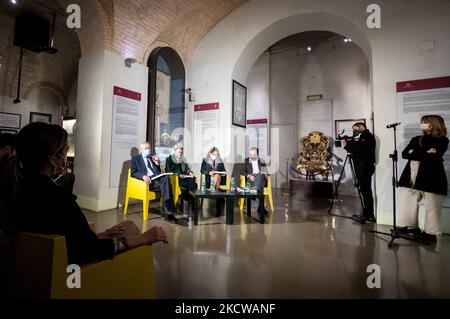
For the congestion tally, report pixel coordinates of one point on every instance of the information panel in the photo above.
(206, 129)
(125, 126)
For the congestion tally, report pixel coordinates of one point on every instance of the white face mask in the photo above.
(213, 157)
(57, 168)
(425, 126)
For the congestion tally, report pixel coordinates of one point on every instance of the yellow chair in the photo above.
(176, 191)
(40, 263)
(267, 192)
(138, 189)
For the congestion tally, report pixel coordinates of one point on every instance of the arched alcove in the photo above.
(166, 101)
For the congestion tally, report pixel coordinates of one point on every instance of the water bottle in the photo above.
(232, 185)
(247, 187)
(203, 184)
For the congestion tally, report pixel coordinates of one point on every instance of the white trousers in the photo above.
(409, 206)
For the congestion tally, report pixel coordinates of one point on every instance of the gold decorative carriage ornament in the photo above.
(315, 156)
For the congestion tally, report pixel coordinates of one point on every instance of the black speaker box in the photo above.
(32, 32)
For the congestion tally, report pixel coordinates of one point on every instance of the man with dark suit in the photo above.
(362, 150)
(147, 165)
(255, 172)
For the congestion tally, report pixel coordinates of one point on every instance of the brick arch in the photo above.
(158, 44)
(181, 24)
(56, 90)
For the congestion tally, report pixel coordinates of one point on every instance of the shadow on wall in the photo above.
(123, 178)
(238, 167)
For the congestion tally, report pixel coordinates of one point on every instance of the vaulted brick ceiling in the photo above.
(126, 27)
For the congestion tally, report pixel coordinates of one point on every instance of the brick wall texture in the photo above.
(126, 27)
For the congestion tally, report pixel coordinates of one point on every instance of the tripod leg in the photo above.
(356, 184)
(337, 186)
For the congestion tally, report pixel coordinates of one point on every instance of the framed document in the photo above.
(344, 127)
(8, 131)
(239, 103)
(10, 120)
(40, 117)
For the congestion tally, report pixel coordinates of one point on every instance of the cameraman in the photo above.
(362, 149)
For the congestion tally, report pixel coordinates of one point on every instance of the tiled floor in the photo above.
(301, 252)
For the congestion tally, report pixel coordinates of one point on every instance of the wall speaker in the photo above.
(32, 32)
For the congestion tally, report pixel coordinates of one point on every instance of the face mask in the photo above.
(424, 126)
(355, 133)
(179, 153)
(213, 157)
(146, 153)
(59, 169)
(253, 158)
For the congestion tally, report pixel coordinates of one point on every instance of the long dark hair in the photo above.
(34, 144)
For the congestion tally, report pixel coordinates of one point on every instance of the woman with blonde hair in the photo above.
(213, 163)
(424, 178)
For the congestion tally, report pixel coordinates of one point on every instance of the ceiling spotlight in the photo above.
(309, 49)
(129, 62)
(347, 40)
(14, 1)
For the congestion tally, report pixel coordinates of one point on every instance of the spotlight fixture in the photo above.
(191, 96)
(129, 62)
(309, 49)
(14, 1)
(347, 40)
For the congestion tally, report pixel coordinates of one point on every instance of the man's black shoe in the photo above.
(409, 230)
(359, 218)
(183, 222)
(171, 218)
(423, 236)
(371, 220)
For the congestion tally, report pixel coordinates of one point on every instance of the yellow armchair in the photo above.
(138, 189)
(40, 271)
(267, 193)
(176, 191)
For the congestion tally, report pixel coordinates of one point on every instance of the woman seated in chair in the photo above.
(213, 163)
(32, 202)
(177, 164)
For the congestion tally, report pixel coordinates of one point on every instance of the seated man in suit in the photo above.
(145, 166)
(255, 172)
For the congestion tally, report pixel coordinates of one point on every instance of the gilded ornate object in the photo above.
(315, 156)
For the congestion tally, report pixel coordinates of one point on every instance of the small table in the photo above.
(229, 198)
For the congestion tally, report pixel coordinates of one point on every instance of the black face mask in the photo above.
(355, 133)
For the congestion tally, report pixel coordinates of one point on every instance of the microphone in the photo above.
(393, 125)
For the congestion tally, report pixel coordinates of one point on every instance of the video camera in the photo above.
(340, 137)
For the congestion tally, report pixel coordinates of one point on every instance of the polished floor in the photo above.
(301, 252)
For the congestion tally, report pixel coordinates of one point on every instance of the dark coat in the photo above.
(181, 168)
(139, 168)
(44, 207)
(431, 176)
(248, 167)
(363, 150)
(208, 167)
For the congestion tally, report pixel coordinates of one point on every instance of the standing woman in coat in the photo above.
(424, 178)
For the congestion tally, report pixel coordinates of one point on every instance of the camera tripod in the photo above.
(348, 159)
(394, 157)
